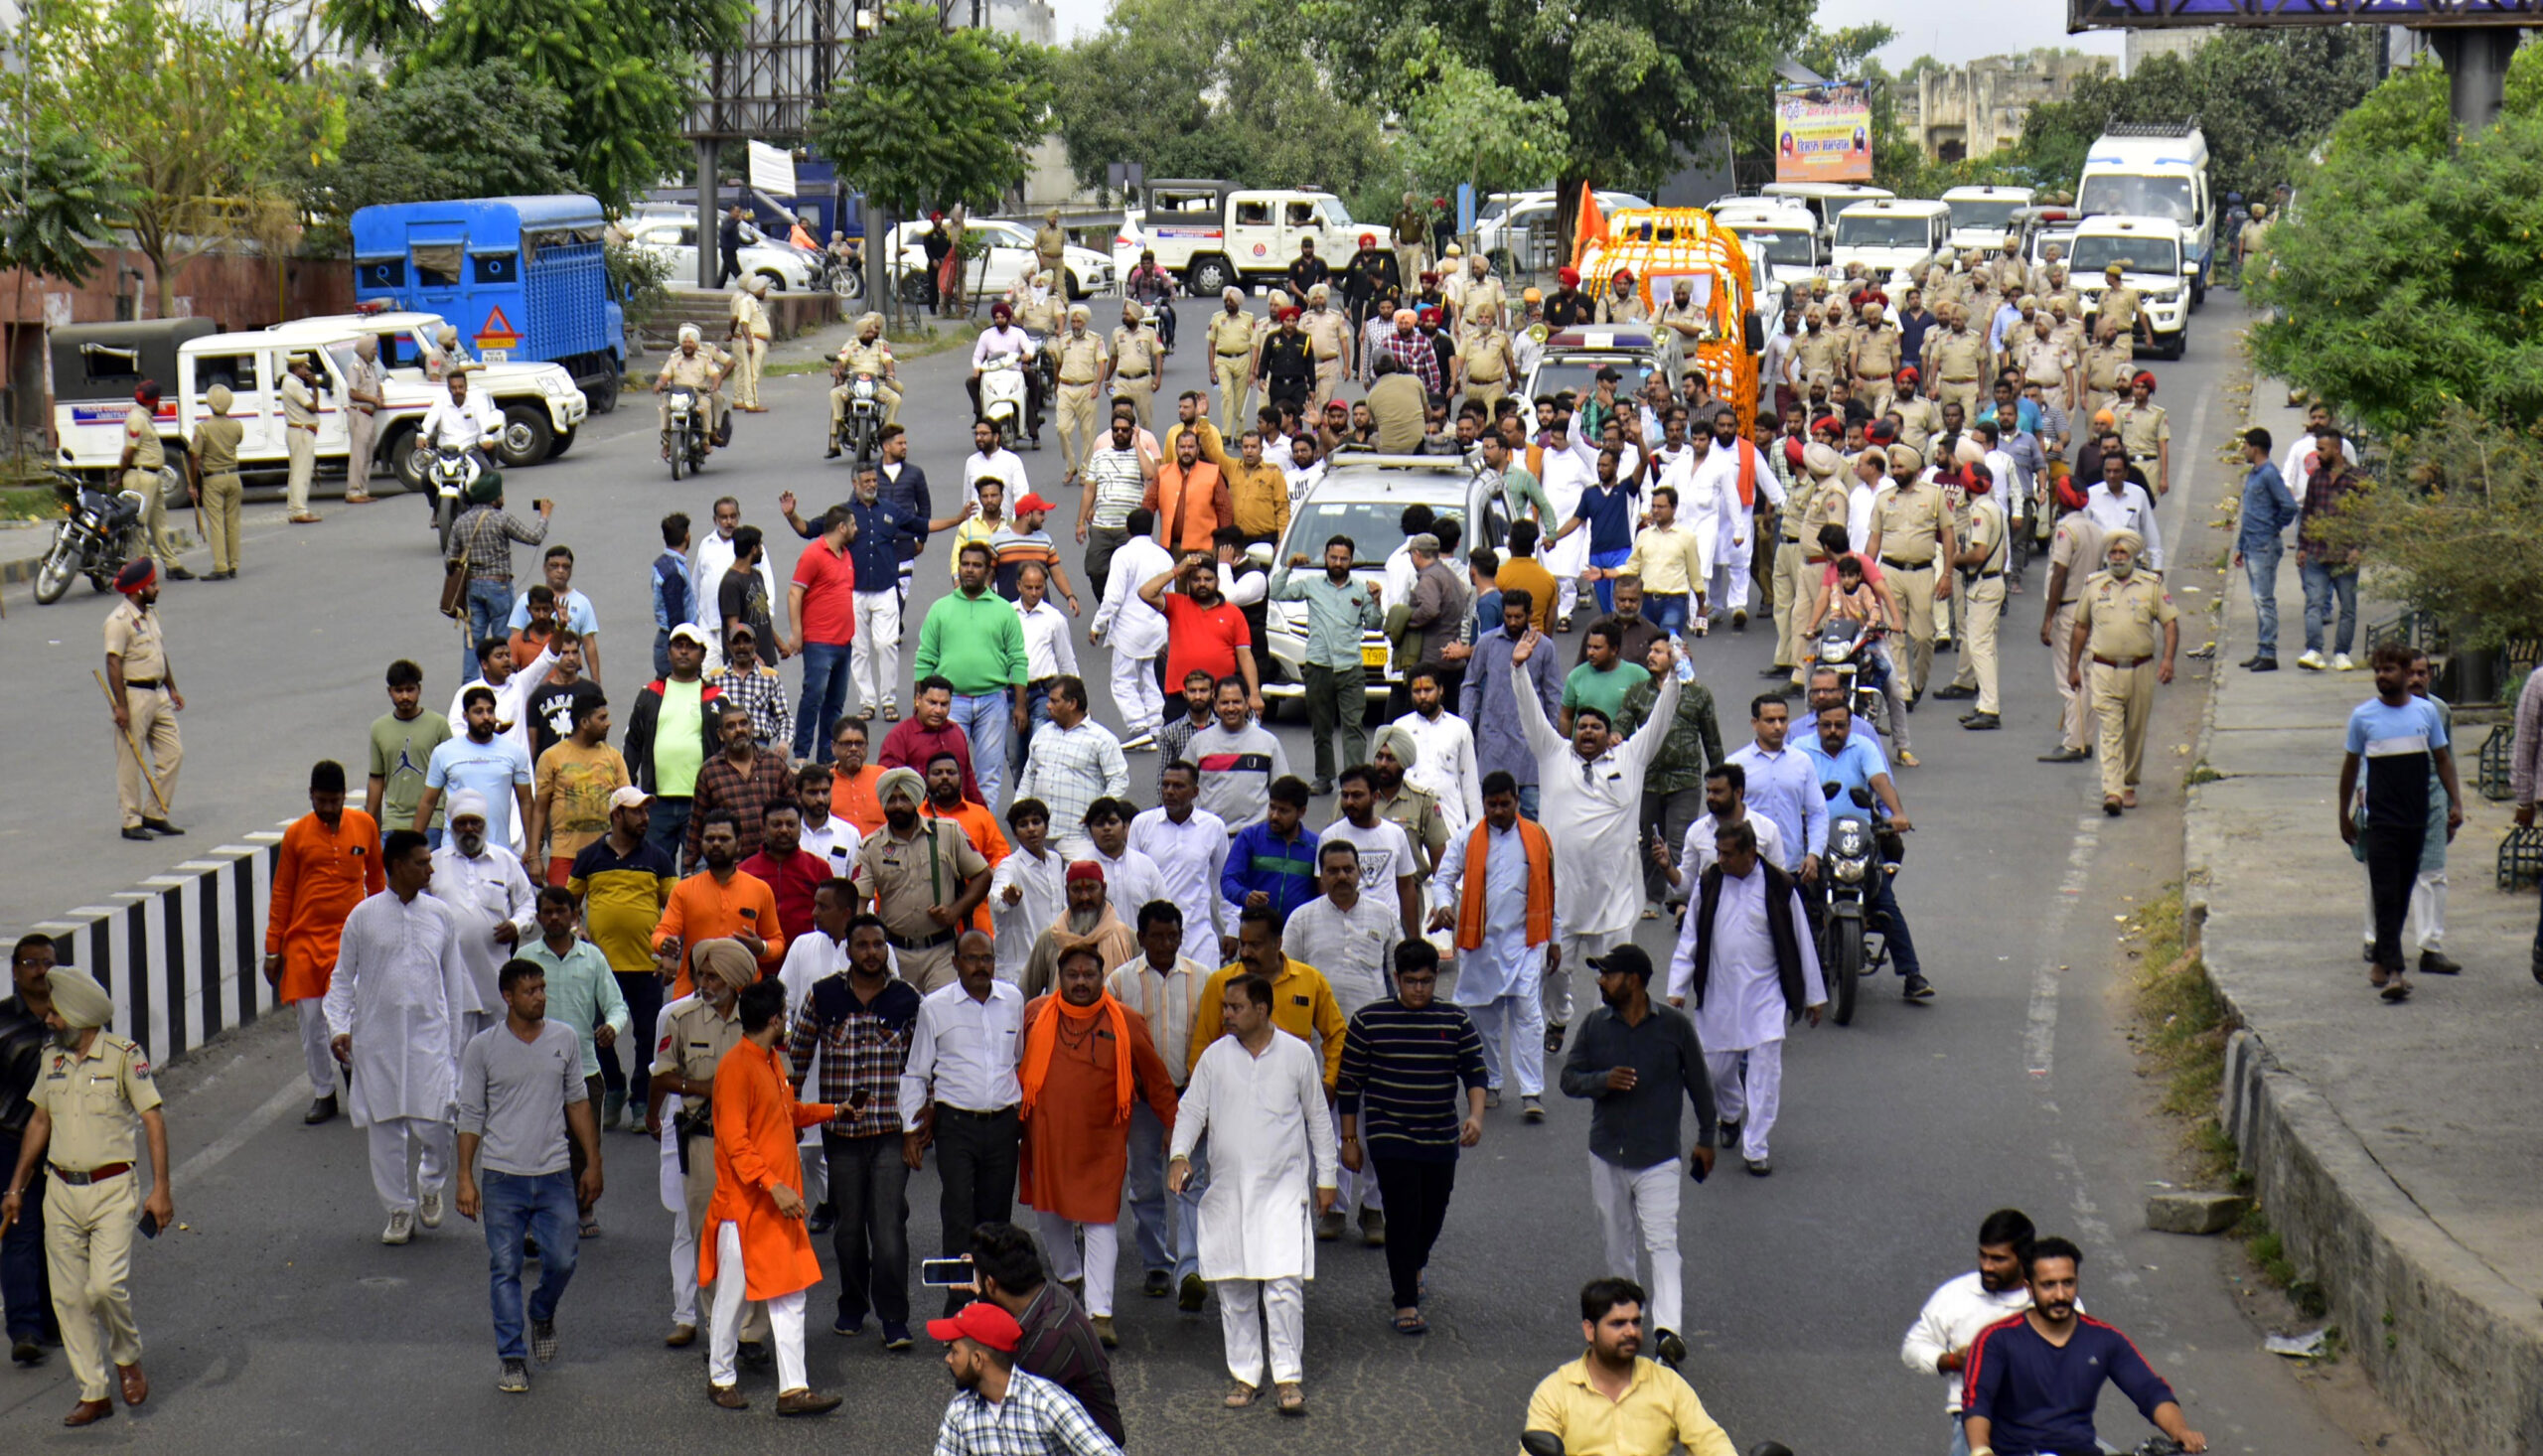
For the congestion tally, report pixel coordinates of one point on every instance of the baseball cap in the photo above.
(689, 631)
(1622, 961)
(980, 1321)
(1034, 502)
(628, 795)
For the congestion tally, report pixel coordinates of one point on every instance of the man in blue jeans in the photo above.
(1852, 764)
(2268, 510)
(2328, 573)
(821, 603)
(483, 535)
(25, 1286)
(520, 1088)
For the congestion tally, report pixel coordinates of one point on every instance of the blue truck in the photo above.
(523, 278)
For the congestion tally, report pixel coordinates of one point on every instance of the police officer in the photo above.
(92, 1086)
(300, 435)
(1919, 418)
(2115, 629)
(2146, 431)
(146, 703)
(1284, 362)
(2119, 303)
(750, 335)
(690, 366)
(1329, 334)
(1911, 536)
(215, 462)
(1818, 347)
(1981, 563)
(1485, 360)
(1078, 362)
(2045, 359)
(1138, 356)
(2106, 368)
(702, 1028)
(866, 353)
(1230, 339)
(24, 1038)
(1050, 245)
(1875, 356)
(143, 456)
(1960, 360)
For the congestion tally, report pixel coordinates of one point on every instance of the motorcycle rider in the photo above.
(866, 353)
(464, 421)
(2034, 1377)
(998, 343)
(1153, 289)
(1611, 1394)
(1854, 764)
(690, 368)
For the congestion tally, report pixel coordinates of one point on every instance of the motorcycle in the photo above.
(862, 421)
(1003, 398)
(844, 274)
(687, 431)
(99, 532)
(449, 474)
(1846, 649)
(1855, 948)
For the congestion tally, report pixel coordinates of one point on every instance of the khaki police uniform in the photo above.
(682, 369)
(133, 634)
(1080, 359)
(905, 879)
(1981, 593)
(693, 1043)
(2047, 363)
(1138, 356)
(1791, 588)
(361, 421)
(2143, 431)
(300, 439)
(1919, 421)
(1960, 366)
(1674, 346)
(2075, 544)
(92, 1199)
(149, 455)
(2106, 371)
(1877, 358)
(1817, 350)
(2121, 305)
(1329, 332)
(860, 358)
(750, 335)
(1909, 521)
(1230, 339)
(1050, 252)
(1479, 295)
(2124, 631)
(216, 454)
(1485, 355)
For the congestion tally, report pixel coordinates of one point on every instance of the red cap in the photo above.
(1086, 869)
(1034, 502)
(980, 1322)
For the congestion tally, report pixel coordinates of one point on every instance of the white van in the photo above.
(1982, 215)
(1783, 233)
(1825, 199)
(1892, 237)
(2154, 170)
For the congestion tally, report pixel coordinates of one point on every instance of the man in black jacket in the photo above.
(685, 702)
(25, 1284)
(728, 241)
(1747, 964)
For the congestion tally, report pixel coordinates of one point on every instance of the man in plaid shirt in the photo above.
(997, 1409)
(851, 1040)
(754, 688)
(1074, 761)
(742, 781)
(1408, 345)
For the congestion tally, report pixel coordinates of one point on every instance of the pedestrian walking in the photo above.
(141, 689)
(1404, 1060)
(2075, 547)
(95, 1087)
(1238, 759)
(522, 1095)
(2115, 624)
(395, 1008)
(1496, 887)
(999, 1409)
(491, 900)
(719, 901)
(974, 641)
(2400, 742)
(925, 880)
(2260, 543)
(750, 333)
(959, 1092)
(620, 884)
(1350, 939)
(26, 1040)
(1189, 846)
(1982, 563)
(1746, 962)
(328, 863)
(821, 603)
(1487, 705)
(1673, 788)
(1073, 761)
(2330, 575)
(849, 1044)
(213, 460)
(1340, 612)
(483, 537)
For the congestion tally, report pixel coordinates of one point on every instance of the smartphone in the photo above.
(945, 1273)
(858, 1096)
(149, 1225)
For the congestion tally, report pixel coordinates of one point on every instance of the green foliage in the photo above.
(639, 279)
(1464, 126)
(934, 115)
(203, 125)
(57, 202)
(622, 66)
(485, 130)
(2457, 529)
(1215, 89)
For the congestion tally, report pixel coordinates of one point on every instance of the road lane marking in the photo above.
(2039, 1037)
(245, 1131)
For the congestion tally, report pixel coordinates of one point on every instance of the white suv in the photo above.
(1363, 496)
(2152, 254)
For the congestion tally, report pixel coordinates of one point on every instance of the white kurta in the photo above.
(1271, 1145)
(1130, 882)
(1445, 766)
(480, 894)
(1569, 472)
(1743, 1004)
(1354, 949)
(1592, 813)
(1505, 965)
(1702, 847)
(1043, 886)
(1189, 858)
(399, 991)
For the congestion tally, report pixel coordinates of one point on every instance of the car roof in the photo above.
(385, 321)
(2105, 225)
(298, 333)
(1901, 206)
(1616, 340)
(1433, 479)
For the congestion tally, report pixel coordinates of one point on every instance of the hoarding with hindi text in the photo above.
(1823, 133)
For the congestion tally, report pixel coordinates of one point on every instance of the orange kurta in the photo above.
(320, 875)
(758, 1124)
(979, 825)
(701, 908)
(1077, 1144)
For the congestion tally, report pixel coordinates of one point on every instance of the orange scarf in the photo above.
(1540, 852)
(1041, 1040)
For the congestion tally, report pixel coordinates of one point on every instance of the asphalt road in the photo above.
(274, 1318)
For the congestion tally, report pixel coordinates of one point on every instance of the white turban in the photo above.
(466, 804)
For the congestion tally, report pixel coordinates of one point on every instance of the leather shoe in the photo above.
(88, 1412)
(2264, 665)
(26, 1351)
(805, 1402)
(2066, 755)
(729, 1397)
(2438, 962)
(1954, 691)
(135, 832)
(755, 1354)
(160, 826)
(136, 1385)
(321, 1110)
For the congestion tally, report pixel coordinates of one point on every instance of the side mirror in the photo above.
(2189, 270)
(1754, 332)
(1831, 790)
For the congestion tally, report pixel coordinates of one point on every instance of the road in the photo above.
(275, 1318)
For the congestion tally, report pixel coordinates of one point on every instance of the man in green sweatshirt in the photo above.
(974, 639)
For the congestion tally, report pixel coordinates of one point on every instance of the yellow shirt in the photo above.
(1667, 560)
(93, 1097)
(1303, 1005)
(1658, 1409)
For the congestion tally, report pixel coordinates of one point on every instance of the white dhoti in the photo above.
(394, 1140)
(1638, 1214)
(1097, 1266)
(1747, 1088)
(1246, 1308)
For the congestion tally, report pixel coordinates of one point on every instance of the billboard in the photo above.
(2084, 15)
(1823, 133)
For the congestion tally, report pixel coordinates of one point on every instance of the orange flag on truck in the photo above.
(1592, 227)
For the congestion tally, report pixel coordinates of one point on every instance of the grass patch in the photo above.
(2269, 1255)
(2199, 772)
(2181, 1031)
(30, 503)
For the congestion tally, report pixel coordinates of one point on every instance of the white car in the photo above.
(1523, 227)
(542, 406)
(1009, 258)
(672, 237)
(2154, 254)
(1362, 496)
(1982, 215)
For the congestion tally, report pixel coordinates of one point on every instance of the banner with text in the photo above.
(1823, 133)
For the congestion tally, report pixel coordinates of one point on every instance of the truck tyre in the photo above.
(565, 441)
(603, 395)
(401, 458)
(1209, 276)
(527, 435)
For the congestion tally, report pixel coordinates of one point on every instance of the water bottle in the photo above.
(1686, 665)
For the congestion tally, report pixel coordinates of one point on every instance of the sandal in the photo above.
(1410, 1322)
(2396, 989)
(866, 714)
(891, 712)
(1294, 1400)
(1242, 1395)
(2127, 799)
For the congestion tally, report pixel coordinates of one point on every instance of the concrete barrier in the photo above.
(182, 953)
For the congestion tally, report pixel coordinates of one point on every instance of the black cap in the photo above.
(1622, 961)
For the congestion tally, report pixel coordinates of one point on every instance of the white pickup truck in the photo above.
(542, 405)
(1216, 233)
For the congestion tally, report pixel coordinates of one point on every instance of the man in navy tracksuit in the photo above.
(2033, 1379)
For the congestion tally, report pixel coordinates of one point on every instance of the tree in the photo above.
(623, 66)
(58, 197)
(204, 125)
(485, 130)
(933, 114)
(1466, 127)
(2457, 529)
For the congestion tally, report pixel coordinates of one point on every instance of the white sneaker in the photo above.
(2341, 664)
(2312, 663)
(429, 1215)
(401, 1228)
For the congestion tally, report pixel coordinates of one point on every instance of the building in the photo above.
(2144, 46)
(1972, 110)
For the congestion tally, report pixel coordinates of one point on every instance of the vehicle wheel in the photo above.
(680, 455)
(563, 442)
(1844, 966)
(526, 436)
(603, 396)
(775, 281)
(53, 577)
(445, 516)
(1209, 276)
(100, 583)
(849, 283)
(404, 461)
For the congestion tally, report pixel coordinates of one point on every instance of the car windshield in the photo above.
(2138, 254)
(2114, 194)
(1617, 201)
(1782, 245)
(1991, 213)
(1335, 215)
(1580, 376)
(1880, 230)
(1373, 527)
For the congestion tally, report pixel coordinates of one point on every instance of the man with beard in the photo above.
(719, 901)
(325, 865)
(485, 764)
(2036, 1375)
(24, 1290)
(1731, 478)
(1966, 1304)
(1189, 846)
(394, 1008)
(742, 781)
(997, 1406)
(1410, 807)
(491, 900)
(1612, 1393)
(924, 879)
(1340, 612)
(979, 825)
(1089, 922)
(1747, 960)
(1085, 1060)
(849, 1043)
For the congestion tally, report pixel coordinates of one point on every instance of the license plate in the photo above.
(1373, 658)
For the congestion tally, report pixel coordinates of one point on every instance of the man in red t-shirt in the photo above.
(791, 874)
(821, 602)
(1205, 632)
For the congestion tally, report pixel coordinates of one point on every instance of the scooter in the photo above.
(99, 532)
(1855, 946)
(1003, 399)
(862, 421)
(687, 431)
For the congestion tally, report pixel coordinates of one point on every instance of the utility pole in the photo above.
(2476, 58)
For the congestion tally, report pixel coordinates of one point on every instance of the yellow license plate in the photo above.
(1373, 658)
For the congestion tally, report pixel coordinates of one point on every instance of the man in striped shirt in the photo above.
(1403, 1061)
(1117, 478)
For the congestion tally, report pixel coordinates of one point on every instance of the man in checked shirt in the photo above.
(849, 1041)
